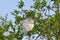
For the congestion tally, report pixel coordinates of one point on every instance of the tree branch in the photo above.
(37, 37)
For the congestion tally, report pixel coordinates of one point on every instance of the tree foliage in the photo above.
(44, 24)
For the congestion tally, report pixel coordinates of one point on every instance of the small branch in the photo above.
(37, 37)
(29, 37)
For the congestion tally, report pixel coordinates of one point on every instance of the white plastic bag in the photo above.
(27, 24)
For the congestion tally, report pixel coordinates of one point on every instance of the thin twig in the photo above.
(37, 37)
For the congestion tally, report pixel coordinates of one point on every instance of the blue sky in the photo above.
(7, 6)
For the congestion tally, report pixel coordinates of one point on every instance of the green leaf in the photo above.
(18, 18)
(21, 4)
